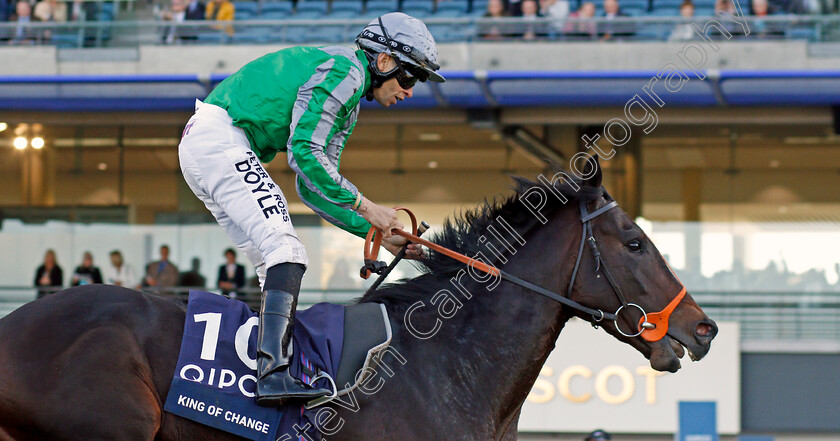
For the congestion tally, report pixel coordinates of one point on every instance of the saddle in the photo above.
(367, 332)
(335, 347)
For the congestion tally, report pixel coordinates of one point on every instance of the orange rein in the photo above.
(375, 240)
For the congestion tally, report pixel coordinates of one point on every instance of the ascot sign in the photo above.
(593, 381)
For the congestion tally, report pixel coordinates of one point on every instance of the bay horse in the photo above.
(95, 362)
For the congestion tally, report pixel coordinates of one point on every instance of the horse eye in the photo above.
(634, 246)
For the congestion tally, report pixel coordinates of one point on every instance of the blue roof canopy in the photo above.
(463, 89)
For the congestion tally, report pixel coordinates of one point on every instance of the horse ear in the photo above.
(594, 176)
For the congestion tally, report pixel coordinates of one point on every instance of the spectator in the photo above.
(120, 273)
(48, 276)
(613, 11)
(556, 9)
(86, 273)
(340, 278)
(683, 31)
(727, 7)
(231, 274)
(161, 274)
(581, 23)
(493, 31)
(175, 14)
(51, 10)
(724, 6)
(514, 8)
(4, 10)
(806, 7)
(193, 277)
(195, 10)
(496, 8)
(530, 13)
(221, 10)
(23, 17)
(760, 9)
(83, 10)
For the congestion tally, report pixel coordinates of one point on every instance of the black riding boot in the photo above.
(275, 386)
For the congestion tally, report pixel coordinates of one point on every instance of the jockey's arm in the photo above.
(317, 139)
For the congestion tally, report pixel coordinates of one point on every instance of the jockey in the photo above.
(302, 101)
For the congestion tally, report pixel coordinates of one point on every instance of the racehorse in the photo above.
(95, 362)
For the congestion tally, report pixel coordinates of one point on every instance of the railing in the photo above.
(786, 319)
(295, 31)
(12, 297)
(777, 316)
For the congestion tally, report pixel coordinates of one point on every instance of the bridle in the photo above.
(652, 326)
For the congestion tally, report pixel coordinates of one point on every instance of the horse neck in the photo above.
(495, 345)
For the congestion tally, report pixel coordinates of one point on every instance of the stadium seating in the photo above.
(245, 10)
(276, 9)
(452, 8)
(375, 8)
(338, 11)
(418, 8)
(346, 9)
(311, 9)
(478, 8)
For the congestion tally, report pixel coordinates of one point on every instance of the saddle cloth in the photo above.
(215, 377)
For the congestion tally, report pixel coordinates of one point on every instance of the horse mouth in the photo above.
(665, 354)
(681, 348)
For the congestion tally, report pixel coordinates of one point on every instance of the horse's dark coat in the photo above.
(95, 362)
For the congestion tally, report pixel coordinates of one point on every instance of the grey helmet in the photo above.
(405, 38)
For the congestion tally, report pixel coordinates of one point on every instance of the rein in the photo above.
(652, 327)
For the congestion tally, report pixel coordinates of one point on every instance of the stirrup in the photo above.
(315, 402)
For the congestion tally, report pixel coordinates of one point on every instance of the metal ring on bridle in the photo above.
(618, 328)
(598, 319)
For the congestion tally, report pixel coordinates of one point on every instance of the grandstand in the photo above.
(322, 22)
(731, 162)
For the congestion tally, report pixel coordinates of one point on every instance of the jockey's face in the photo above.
(390, 91)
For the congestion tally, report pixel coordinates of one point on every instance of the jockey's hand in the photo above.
(395, 243)
(380, 216)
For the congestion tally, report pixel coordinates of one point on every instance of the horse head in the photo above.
(620, 271)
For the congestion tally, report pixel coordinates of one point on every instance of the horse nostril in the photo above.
(706, 330)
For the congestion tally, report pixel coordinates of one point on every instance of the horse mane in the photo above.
(463, 233)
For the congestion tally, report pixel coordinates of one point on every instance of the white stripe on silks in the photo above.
(346, 52)
(332, 107)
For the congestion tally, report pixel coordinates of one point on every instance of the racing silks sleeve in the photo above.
(323, 116)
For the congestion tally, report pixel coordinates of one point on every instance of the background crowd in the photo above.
(571, 19)
(23, 12)
(160, 275)
(581, 22)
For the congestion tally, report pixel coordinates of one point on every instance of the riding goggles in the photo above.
(407, 76)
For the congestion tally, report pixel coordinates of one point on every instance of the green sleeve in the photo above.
(326, 105)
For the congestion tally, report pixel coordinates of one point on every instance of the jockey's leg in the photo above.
(224, 173)
(275, 385)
